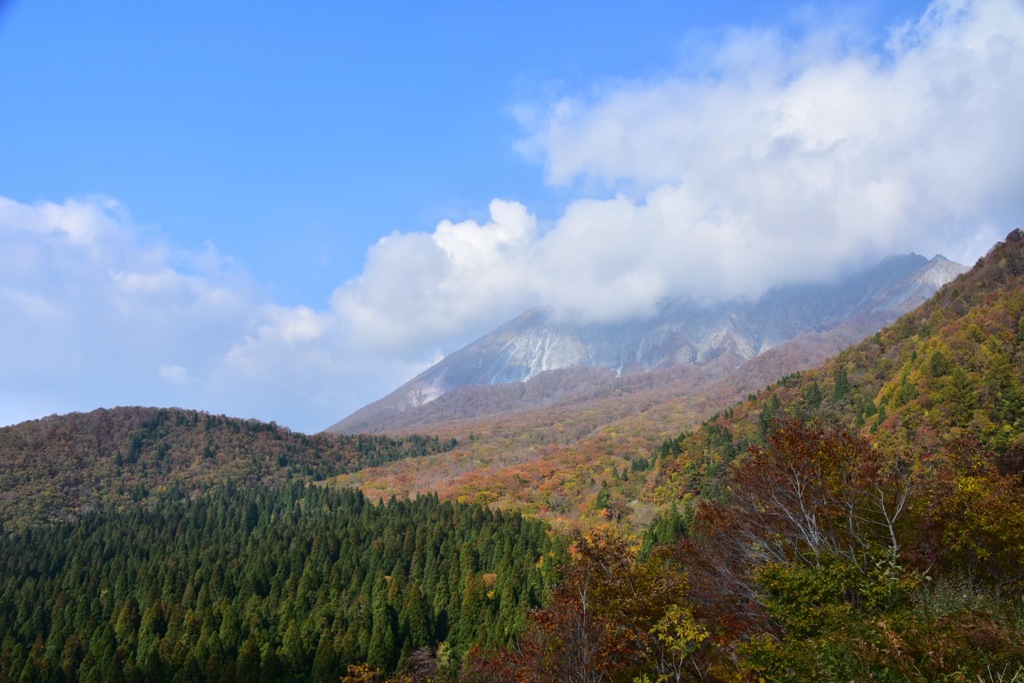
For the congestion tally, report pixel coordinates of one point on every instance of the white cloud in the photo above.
(770, 167)
(85, 302)
(778, 160)
(420, 288)
(81, 222)
(93, 315)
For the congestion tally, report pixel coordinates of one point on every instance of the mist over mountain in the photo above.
(682, 333)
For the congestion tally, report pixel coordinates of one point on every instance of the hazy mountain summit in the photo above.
(682, 333)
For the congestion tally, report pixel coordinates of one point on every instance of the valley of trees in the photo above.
(860, 521)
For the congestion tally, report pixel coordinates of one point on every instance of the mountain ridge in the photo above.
(683, 333)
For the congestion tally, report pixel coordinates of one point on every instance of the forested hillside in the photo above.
(950, 372)
(290, 583)
(858, 521)
(864, 520)
(58, 467)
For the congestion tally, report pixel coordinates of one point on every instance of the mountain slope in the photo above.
(59, 467)
(892, 470)
(949, 373)
(682, 334)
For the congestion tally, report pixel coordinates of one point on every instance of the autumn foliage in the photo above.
(824, 558)
(610, 618)
(831, 558)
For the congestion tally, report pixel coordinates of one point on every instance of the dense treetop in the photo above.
(283, 583)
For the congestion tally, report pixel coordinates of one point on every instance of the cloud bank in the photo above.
(772, 161)
(778, 160)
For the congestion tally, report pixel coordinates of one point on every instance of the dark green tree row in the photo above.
(60, 466)
(289, 583)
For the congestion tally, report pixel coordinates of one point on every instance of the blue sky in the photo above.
(286, 214)
(294, 139)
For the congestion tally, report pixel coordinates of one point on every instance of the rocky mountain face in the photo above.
(566, 357)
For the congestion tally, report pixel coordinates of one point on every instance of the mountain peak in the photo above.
(940, 271)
